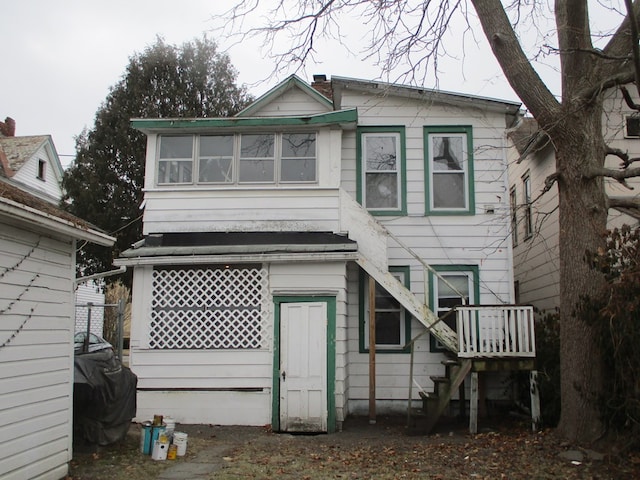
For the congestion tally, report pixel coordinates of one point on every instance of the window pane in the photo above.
(387, 328)
(216, 146)
(459, 282)
(293, 170)
(381, 190)
(448, 190)
(215, 170)
(447, 153)
(381, 153)
(256, 170)
(385, 301)
(174, 171)
(176, 147)
(299, 145)
(257, 146)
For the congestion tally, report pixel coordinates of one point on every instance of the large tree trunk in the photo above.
(583, 217)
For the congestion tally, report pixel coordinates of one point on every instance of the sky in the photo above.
(60, 57)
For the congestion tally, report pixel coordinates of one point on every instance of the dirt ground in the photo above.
(364, 451)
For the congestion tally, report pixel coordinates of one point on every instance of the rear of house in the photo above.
(282, 243)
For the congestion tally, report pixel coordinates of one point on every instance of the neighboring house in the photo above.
(37, 272)
(535, 224)
(90, 306)
(263, 232)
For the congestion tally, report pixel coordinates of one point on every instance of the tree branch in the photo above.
(622, 155)
(623, 202)
(519, 72)
(619, 175)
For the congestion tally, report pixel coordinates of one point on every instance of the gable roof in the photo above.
(420, 93)
(292, 82)
(16, 151)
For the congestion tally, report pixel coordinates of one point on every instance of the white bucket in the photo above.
(160, 450)
(180, 441)
(171, 425)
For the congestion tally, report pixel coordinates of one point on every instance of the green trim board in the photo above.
(399, 129)
(362, 323)
(331, 357)
(203, 124)
(291, 82)
(475, 273)
(470, 180)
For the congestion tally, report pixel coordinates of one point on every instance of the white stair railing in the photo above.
(496, 331)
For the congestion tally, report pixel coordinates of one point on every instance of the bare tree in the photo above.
(409, 36)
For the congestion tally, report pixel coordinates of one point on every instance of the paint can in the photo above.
(160, 450)
(172, 453)
(180, 441)
(145, 438)
(157, 420)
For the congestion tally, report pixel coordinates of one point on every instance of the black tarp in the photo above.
(104, 398)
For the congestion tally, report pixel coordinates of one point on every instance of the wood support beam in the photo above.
(372, 350)
(473, 407)
(536, 417)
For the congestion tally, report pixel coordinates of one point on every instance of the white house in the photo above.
(535, 221)
(251, 298)
(37, 272)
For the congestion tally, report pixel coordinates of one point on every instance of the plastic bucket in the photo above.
(180, 441)
(160, 450)
(145, 438)
(170, 424)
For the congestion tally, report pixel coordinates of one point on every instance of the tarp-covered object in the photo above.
(104, 398)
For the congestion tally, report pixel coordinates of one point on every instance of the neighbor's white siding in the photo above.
(28, 174)
(36, 353)
(90, 292)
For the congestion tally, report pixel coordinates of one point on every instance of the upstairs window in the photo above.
(42, 169)
(632, 129)
(449, 170)
(263, 158)
(513, 201)
(382, 170)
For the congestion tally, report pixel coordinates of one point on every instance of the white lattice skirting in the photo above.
(209, 308)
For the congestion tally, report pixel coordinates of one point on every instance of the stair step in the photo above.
(440, 379)
(450, 362)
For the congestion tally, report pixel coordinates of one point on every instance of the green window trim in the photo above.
(363, 324)
(360, 170)
(475, 278)
(470, 207)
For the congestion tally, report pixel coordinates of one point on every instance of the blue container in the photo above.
(148, 436)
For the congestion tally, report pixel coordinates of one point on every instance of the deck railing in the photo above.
(496, 331)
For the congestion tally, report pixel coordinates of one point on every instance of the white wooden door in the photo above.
(303, 367)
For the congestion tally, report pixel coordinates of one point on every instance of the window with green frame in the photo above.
(454, 285)
(393, 322)
(381, 169)
(449, 186)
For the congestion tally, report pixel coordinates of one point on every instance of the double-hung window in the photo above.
(453, 286)
(528, 217)
(382, 169)
(393, 323)
(449, 170)
(513, 201)
(248, 158)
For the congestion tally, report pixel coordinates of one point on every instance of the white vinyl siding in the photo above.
(36, 353)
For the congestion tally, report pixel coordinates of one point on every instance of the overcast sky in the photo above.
(59, 59)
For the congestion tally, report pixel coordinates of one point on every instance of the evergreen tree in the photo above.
(104, 183)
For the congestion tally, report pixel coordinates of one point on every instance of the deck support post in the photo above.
(535, 401)
(473, 407)
(372, 350)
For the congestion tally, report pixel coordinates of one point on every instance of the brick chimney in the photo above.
(322, 85)
(8, 127)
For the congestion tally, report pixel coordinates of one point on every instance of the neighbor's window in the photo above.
(513, 201)
(528, 218)
(449, 167)
(453, 286)
(632, 126)
(392, 321)
(42, 169)
(175, 163)
(381, 166)
(237, 158)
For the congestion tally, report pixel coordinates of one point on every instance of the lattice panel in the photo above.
(209, 308)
